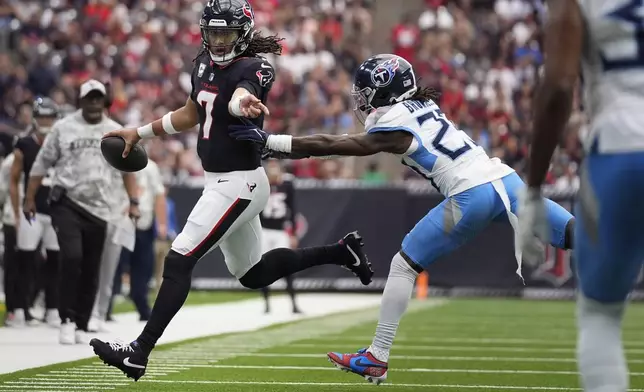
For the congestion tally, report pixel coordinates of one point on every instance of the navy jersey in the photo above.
(279, 212)
(212, 89)
(29, 147)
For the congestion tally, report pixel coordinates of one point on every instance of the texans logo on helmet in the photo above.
(383, 74)
(265, 77)
(248, 11)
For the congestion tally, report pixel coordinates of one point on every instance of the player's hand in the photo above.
(250, 106)
(248, 133)
(133, 212)
(294, 242)
(130, 135)
(29, 210)
(162, 232)
(270, 154)
(534, 228)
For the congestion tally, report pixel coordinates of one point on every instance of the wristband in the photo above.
(145, 132)
(166, 121)
(235, 106)
(134, 201)
(281, 143)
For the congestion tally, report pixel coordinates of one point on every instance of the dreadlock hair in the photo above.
(266, 45)
(426, 94)
(257, 45)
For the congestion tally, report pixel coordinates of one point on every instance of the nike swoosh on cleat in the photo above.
(355, 256)
(358, 362)
(127, 363)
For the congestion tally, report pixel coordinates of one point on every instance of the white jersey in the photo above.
(613, 74)
(440, 152)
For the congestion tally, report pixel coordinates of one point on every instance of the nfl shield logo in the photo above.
(211, 77)
(202, 68)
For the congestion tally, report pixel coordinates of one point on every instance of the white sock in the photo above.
(600, 354)
(398, 290)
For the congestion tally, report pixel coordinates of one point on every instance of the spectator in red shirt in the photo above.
(405, 37)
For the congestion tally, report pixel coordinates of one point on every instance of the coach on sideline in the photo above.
(80, 200)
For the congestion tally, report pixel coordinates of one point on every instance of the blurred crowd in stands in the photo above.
(482, 55)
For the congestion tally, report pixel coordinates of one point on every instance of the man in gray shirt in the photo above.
(81, 203)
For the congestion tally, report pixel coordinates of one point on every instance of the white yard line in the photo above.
(365, 384)
(406, 370)
(398, 347)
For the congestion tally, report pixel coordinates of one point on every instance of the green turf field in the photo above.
(458, 345)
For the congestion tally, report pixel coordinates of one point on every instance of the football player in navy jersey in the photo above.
(279, 221)
(230, 85)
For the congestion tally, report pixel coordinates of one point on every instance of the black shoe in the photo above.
(125, 356)
(296, 310)
(357, 263)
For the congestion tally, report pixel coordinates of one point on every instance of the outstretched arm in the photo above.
(396, 142)
(352, 145)
(553, 103)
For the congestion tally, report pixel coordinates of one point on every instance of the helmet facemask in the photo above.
(43, 124)
(226, 43)
(362, 102)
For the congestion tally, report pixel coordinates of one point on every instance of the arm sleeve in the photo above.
(48, 154)
(258, 78)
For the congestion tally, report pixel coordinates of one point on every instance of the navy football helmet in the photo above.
(44, 113)
(227, 26)
(382, 80)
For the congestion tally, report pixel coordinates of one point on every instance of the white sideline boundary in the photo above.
(38, 346)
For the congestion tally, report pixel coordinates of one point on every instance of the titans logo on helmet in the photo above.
(384, 73)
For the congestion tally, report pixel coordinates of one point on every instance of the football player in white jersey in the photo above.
(605, 38)
(403, 119)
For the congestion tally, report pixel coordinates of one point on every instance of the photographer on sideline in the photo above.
(80, 201)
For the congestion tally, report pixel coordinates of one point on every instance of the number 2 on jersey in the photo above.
(207, 101)
(438, 116)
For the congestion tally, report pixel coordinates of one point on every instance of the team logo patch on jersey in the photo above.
(265, 77)
(383, 74)
(202, 68)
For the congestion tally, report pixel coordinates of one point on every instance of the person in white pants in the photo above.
(120, 235)
(31, 233)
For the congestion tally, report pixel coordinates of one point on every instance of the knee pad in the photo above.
(253, 278)
(177, 265)
(402, 266)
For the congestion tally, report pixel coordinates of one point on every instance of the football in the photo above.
(112, 148)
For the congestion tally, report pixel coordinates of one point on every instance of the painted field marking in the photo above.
(364, 384)
(434, 358)
(408, 370)
(481, 348)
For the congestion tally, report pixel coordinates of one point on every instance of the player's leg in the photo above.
(267, 244)
(609, 252)
(50, 243)
(29, 236)
(10, 273)
(445, 228)
(218, 212)
(110, 257)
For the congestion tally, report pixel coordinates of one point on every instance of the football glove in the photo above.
(534, 227)
(270, 154)
(249, 133)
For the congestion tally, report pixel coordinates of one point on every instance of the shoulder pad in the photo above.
(386, 117)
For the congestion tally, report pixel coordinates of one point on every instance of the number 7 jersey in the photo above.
(439, 151)
(212, 88)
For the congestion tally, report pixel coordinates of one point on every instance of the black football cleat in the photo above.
(358, 262)
(128, 357)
